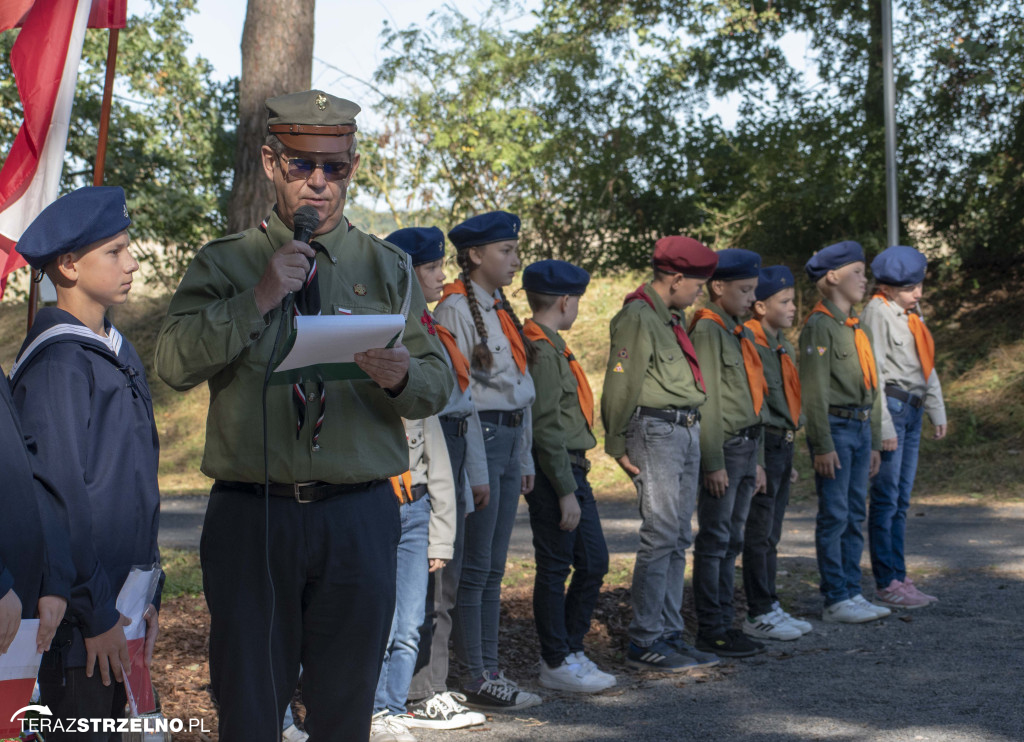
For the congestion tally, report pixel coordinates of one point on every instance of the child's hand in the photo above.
(826, 464)
(527, 484)
(51, 610)
(717, 482)
(794, 476)
(481, 496)
(570, 508)
(627, 466)
(436, 564)
(761, 481)
(890, 444)
(940, 432)
(10, 618)
(876, 463)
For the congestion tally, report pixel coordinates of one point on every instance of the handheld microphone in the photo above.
(305, 221)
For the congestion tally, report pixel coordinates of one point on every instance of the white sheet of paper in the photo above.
(336, 338)
(133, 600)
(21, 660)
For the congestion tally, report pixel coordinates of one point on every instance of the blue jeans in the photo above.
(563, 618)
(488, 532)
(720, 538)
(403, 642)
(890, 495)
(668, 457)
(842, 504)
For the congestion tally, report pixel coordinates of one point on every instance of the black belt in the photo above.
(579, 459)
(685, 416)
(911, 399)
(789, 435)
(751, 434)
(302, 493)
(510, 419)
(861, 414)
(418, 490)
(454, 426)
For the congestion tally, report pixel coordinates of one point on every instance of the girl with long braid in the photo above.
(487, 331)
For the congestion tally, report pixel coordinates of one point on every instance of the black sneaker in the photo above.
(733, 643)
(702, 659)
(498, 693)
(660, 657)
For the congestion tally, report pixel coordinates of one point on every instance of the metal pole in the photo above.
(889, 86)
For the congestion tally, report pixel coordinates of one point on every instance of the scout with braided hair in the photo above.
(487, 332)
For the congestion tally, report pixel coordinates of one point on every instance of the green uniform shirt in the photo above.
(558, 422)
(775, 411)
(830, 375)
(214, 333)
(730, 406)
(646, 368)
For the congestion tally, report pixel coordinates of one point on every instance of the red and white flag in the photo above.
(45, 59)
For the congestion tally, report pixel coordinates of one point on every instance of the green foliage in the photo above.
(171, 138)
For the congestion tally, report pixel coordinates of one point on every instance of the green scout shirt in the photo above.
(646, 368)
(730, 406)
(214, 333)
(775, 411)
(558, 422)
(830, 375)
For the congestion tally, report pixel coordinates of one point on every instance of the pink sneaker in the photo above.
(898, 596)
(912, 588)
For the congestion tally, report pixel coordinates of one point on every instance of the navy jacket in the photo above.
(88, 407)
(35, 554)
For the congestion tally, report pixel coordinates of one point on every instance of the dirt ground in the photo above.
(950, 672)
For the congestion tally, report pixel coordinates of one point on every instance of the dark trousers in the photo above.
(431, 674)
(71, 695)
(563, 618)
(332, 600)
(764, 526)
(720, 539)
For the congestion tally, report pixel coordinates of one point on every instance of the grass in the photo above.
(182, 573)
(978, 333)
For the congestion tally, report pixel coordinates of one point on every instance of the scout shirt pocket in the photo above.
(732, 358)
(672, 367)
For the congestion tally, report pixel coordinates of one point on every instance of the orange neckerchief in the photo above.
(515, 340)
(790, 376)
(534, 332)
(860, 339)
(751, 360)
(922, 339)
(402, 485)
(459, 362)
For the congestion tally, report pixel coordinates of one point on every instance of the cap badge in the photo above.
(125, 207)
(321, 102)
(359, 289)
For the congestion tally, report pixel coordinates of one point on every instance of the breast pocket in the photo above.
(731, 358)
(361, 307)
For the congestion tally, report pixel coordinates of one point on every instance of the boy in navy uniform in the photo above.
(567, 535)
(81, 391)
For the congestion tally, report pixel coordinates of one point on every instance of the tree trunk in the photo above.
(277, 58)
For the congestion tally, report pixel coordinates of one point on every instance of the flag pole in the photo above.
(101, 156)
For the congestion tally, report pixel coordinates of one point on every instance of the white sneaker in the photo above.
(442, 711)
(804, 627)
(387, 727)
(592, 668)
(293, 734)
(847, 611)
(879, 610)
(572, 676)
(770, 626)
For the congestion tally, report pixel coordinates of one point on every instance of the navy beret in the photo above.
(899, 265)
(832, 257)
(772, 280)
(555, 278)
(72, 222)
(736, 264)
(678, 254)
(424, 244)
(482, 229)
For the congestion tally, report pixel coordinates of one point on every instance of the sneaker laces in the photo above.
(394, 724)
(452, 701)
(435, 705)
(499, 687)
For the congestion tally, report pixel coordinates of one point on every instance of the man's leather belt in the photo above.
(455, 426)
(579, 458)
(789, 435)
(510, 418)
(861, 414)
(685, 416)
(903, 396)
(304, 492)
(751, 434)
(418, 490)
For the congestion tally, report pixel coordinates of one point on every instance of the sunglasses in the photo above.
(300, 168)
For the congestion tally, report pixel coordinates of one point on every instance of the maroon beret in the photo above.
(678, 254)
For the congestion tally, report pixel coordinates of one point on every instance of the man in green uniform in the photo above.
(652, 391)
(841, 400)
(302, 570)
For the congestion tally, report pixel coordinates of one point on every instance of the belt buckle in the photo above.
(690, 419)
(516, 418)
(463, 426)
(790, 436)
(297, 491)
